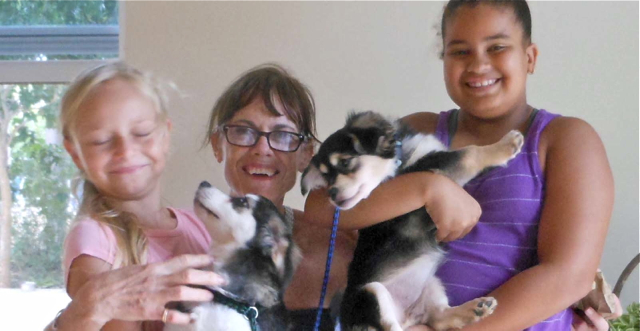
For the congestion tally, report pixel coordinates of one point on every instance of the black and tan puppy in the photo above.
(253, 250)
(391, 281)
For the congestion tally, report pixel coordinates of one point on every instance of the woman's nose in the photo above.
(262, 146)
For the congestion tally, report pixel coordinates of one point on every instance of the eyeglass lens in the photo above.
(278, 140)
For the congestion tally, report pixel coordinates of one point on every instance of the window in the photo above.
(43, 45)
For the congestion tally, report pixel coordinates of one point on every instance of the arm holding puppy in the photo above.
(579, 197)
(573, 226)
(452, 209)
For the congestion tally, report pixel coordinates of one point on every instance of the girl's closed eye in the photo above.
(100, 142)
(144, 130)
(142, 134)
(96, 140)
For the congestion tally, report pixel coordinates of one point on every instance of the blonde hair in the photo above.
(131, 241)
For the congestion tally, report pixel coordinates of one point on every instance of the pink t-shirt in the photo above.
(96, 239)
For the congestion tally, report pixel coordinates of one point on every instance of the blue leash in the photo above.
(325, 281)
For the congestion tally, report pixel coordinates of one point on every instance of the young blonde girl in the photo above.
(531, 234)
(115, 127)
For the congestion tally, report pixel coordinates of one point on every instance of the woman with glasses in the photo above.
(263, 133)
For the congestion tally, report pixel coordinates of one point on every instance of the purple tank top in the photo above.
(504, 242)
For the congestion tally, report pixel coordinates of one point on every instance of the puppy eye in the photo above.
(241, 203)
(344, 163)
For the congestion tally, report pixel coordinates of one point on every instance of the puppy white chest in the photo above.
(221, 318)
(214, 317)
(407, 284)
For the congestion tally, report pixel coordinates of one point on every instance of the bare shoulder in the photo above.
(569, 137)
(568, 128)
(424, 122)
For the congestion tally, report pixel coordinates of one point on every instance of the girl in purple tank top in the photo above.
(544, 217)
(533, 247)
(534, 241)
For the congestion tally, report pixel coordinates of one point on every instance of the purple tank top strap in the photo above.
(532, 139)
(540, 122)
(442, 128)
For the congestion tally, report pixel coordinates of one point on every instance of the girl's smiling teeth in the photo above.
(482, 83)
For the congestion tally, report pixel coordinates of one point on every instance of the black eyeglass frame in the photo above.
(300, 136)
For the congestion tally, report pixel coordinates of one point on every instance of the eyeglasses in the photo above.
(244, 136)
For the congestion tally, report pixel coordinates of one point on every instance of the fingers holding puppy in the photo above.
(181, 271)
(136, 293)
(179, 263)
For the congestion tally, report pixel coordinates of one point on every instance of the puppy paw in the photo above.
(510, 145)
(484, 307)
(463, 315)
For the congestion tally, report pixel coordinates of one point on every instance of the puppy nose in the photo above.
(333, 192)
(204, 184)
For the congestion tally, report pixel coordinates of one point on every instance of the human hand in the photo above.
(597, 321)
(419, 328)
(140, 292)
(452, 209)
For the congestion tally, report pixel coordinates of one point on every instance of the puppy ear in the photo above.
(386, 142)
(266, 240)
(273, 239)
(357, 145)
(311, 179)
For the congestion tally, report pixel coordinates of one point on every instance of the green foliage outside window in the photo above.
(22, 12)
(40, 173)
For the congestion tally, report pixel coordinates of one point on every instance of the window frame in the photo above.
(55, 71)
(44, 72)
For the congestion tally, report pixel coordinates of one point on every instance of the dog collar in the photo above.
(398, 151)
(250, 312)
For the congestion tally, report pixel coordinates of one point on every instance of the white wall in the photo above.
(383, 56)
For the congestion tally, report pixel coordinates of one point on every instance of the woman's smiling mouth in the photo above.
(265, 172)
